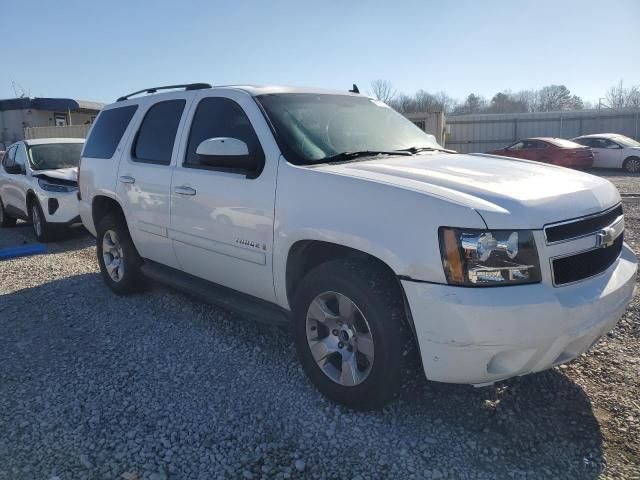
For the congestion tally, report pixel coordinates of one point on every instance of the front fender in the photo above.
(395, 225)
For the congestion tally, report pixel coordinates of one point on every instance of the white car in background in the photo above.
(38, 183)
(611, 150)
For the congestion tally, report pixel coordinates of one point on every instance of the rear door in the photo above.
(144, 175)
(538, 150)
(222, 219)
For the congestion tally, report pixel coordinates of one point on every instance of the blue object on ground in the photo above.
(23, 251)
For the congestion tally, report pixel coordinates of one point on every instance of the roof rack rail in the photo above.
(186, 86)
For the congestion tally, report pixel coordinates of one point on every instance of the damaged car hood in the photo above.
(507, 193)
(66, 174)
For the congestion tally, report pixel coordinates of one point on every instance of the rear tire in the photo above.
(117, 256)
(43, 230)
(354, 354)
(631, 165)
(6, 220)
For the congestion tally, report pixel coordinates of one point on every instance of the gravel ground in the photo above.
(159, 386)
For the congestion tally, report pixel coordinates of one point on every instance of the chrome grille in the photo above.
(580, 227)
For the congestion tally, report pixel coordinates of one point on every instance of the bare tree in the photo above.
(383, 90)
(618, 96)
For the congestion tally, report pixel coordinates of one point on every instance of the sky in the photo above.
(99, 50)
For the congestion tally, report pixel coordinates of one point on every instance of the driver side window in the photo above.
(219, 117)
(21, 158)
(517, 146)
(8, 159)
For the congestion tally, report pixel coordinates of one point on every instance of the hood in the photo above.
(69, 174)
(508, 193)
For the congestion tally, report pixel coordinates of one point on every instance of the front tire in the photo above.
(43, 230)
(632, 165)
(350, 332)
(117, 256)
(6, 220)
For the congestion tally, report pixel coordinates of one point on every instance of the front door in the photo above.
(222, 219)
(15, 185)
(144, 176)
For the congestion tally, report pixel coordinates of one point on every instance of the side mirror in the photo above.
(14, 170)
(226, 152)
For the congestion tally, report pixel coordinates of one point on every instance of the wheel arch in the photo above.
(30, 198)
(102, 205)
(304, 255)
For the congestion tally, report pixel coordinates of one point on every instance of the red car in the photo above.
(556, 151)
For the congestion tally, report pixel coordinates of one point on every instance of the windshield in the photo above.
(313, 127)
(51, 156)
(626, 141)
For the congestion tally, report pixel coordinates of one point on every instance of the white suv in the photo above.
(38, 183)
(331, 213)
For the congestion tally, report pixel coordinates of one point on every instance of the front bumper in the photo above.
(59, 208)
(482, 335)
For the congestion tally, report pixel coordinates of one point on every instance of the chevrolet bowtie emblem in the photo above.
(608, 235)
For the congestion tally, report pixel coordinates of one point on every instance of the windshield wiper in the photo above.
(346, 156)
(414, 150)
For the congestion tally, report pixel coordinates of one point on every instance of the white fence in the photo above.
(70, 131)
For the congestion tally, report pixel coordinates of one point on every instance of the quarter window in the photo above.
(107, 132)
(157, 134)
(219, 117)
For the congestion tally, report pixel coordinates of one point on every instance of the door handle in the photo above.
(127, 179)
(184, 190)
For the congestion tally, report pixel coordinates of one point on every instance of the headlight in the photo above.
(489, 257)
(55, 187)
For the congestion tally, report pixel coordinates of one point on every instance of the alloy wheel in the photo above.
(339, 338)
(112, 255)
(633, 165)
(37, 221)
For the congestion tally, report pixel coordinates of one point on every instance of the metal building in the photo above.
(430, 122)
(484, 132)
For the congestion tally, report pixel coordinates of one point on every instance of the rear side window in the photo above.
(157, 134)
(108, 131)
(219, 117)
